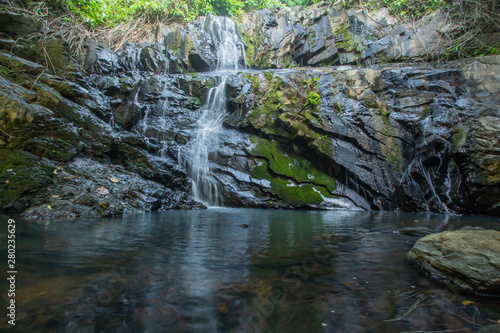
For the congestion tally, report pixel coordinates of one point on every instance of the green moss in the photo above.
(323, 145)
(193, 103)
(250, 49)
(240, 99)
(371, 102)
(287, 190)
(390, 145)
(291, 165)
(255, 81)
(394, 156)
(269, 76)
(387, 123)
(425, 113)
(385, 60)
(370, 38)
(345, 39)
(339, 108)
(269, 97)
(458, 137)
(314, 98)
(22, 175)
(264, 60)
(5, 72)
(313, 39)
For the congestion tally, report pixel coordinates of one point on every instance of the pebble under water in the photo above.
(237, 270)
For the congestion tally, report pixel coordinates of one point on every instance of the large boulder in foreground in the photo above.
(467, 259)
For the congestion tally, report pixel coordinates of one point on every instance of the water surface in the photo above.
(235, 270)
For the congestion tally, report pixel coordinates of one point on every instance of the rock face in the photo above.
(468, 260)
(321, 35)
(418, 137)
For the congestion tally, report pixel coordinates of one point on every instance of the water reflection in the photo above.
(201, 271)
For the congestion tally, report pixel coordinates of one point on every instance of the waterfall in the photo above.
(206, 140)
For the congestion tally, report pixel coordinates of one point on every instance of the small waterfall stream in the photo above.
(206, 140)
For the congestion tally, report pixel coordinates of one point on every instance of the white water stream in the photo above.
(206, 140)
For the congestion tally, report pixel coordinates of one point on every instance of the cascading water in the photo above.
(206, 140)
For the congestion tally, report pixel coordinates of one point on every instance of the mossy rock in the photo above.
(52, 148)
(458, 137)
(22, 177)
(193, 103)
(288, 191)
(387, 134)
(291, 165)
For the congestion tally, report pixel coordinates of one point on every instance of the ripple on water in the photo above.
(201, 271)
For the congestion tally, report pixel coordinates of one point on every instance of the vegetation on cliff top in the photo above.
(115, 22)
(109, 12)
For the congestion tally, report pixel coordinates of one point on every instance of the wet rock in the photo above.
(101, 60)
(417, 137)
(19, 65)
(16, 25)
(484, 178)
(471, 228)
(196, 45)
(23, 177)
(154, 59)
(467, 260)
(322, 35)
(87, 188)
(416, 231)
(56, 57)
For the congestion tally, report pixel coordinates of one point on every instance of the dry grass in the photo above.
(78, 34)
(477, 26)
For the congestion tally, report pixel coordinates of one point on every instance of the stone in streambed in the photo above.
(466, 259)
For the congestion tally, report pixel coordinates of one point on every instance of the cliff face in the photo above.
(321, 35)
(410, 136)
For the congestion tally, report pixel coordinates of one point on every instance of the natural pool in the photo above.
(236, 270)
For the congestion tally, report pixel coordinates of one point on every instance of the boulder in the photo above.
(466, 259)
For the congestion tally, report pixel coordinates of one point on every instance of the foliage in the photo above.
(476, 21)
(110, 12)
(314, 98)
(404, 8)
(291, 3)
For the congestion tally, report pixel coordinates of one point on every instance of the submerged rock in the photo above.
(415, 231)
(468, 260)
(490, 329)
